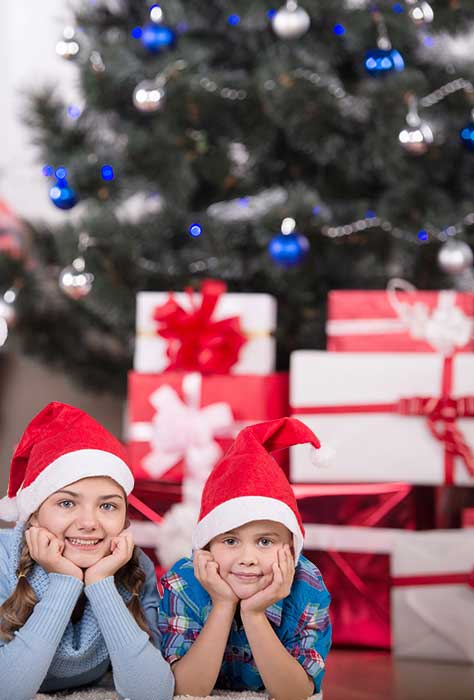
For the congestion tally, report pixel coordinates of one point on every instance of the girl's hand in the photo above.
(46, 550)
(121, 548)
(206, 571)
(278, 588)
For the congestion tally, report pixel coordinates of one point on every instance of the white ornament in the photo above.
(148, 96)
(420, 12)
(454, 257)
(68, 47)
(291, 21)
(75, 281)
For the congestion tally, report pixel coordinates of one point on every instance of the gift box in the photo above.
(467, 517)
(432, 598)
(210, 332)
(400, 319)
(349, 529)
(384, 416)
(179, 420)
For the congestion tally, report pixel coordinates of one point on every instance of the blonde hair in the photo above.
(16, 609)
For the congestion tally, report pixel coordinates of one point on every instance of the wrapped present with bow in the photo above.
(385, 416)
(210, 332)
(348, 533)
(400, 319)
(432, 597)
(180, 424)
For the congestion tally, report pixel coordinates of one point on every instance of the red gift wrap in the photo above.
(359, 581)
(251, 399)
(399, 321)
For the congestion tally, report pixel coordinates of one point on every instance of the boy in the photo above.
(241, 615)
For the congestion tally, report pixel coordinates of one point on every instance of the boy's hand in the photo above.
(47, 551)
(206, 571)
(121, 548)
(277, 589)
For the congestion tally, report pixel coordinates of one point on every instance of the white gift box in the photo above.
(257, 313)
(433, 620)
(346, 398)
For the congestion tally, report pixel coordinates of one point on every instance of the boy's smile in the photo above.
(245, 555)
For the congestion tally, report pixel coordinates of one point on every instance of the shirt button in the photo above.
(235, 650)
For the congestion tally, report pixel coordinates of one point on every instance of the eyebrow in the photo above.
(258, 534)
(78, 495)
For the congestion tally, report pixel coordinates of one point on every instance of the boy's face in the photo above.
(246, 554)
(85, 515)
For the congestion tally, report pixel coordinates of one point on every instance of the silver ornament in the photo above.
(74, 281)
(291, 21)
(96, 62)
(68, 47)
(7, 306)
(455, 257)
(148, 96)
(420, 12)
(418, 135)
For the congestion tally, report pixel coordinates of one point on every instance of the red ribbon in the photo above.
(196, 342)
(434, 579)
(441, 413)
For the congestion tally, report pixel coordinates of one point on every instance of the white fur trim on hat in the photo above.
(245, 509)
(65, 470)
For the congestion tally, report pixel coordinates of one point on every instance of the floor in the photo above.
(370, 675)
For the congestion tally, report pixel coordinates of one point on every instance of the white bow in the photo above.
(445, 329)
(181, 430)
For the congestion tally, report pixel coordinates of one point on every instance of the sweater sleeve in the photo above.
(139, 670)
(38, 639)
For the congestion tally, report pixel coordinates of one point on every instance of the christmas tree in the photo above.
(289, 150)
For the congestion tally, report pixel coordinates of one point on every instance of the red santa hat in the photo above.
(248, 484)
(62, 444)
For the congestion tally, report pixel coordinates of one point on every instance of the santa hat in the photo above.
(248, 484)
(62, 444)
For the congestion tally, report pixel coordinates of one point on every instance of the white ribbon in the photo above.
(181, 430)
(445, 329)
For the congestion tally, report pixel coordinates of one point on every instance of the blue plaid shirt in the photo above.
(300, 621)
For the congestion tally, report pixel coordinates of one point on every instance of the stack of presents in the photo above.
(386, 505)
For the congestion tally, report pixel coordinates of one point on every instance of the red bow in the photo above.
(195, 341)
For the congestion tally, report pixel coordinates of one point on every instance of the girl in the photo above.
(76, 595)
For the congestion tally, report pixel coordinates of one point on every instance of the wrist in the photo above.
(249, 615)
(225, 607)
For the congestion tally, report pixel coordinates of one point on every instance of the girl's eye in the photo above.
(112, 506)
(64, 504)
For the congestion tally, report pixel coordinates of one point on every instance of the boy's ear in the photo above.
(32, 520)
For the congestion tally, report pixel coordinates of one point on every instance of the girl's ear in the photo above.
(127, 523)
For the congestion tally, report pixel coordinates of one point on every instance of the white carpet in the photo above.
(104, 694)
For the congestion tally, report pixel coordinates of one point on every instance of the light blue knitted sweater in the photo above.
(139, 670)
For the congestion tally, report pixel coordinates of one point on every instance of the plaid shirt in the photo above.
(300, 621)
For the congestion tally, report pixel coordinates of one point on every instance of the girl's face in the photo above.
(85, 515)
(246, 554)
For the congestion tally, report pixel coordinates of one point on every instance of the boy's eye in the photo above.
(265, 541)
(230, 540)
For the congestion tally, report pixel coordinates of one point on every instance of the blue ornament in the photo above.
(156, 37)
(62, 196)
(467, 136)
(382, 61)
(288, 249)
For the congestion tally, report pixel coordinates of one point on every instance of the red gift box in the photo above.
(400, 321)
(249, 399)
(359, 580)
(468, 517)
